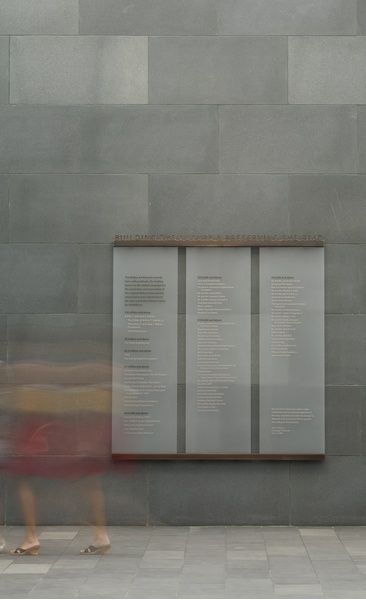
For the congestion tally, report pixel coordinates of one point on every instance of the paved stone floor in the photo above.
(191, 562)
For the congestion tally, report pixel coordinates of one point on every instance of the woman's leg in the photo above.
(2, 539)
(28, 503)
(96, 500)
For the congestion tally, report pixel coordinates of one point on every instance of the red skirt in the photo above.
(62, 446)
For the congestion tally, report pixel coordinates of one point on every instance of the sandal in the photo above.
(33, 550)
(96, 549)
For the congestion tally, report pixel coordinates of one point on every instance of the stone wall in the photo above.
(184, 116)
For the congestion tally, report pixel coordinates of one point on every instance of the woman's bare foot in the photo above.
(101, 541)
(29, 546)
(30, 543)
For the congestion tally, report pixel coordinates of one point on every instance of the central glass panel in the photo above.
(218, 356)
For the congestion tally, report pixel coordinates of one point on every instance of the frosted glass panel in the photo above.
(145, 350)
(291, 350)
(218, 356)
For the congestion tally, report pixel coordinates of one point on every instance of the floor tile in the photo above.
(24, 569)
(249, 572)
(298, 591)
(58, 535)
(246, 555)
(4, 565)
(249, 584)
(328, 570)
(361, 566)
(317, 532)
(344, 589)
(286, 551)
(82, 562)
(197, 590)
(152, 555)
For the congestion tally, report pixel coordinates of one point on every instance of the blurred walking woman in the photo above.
(61, 431)
(5, 438)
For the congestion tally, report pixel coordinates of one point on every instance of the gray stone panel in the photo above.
(345, 337)
(287, 17)
(3, 334)
(218, 70)
(126, 494)
(235, 204)
(95, 278)
(331, 205)
(361, 121)
(4, 209)
(327, 70)
(345, 290)
(3, 355)
(143, 17)
(3, 370)
(363, 419)
(328, 493)
(24, 17)
(361, 17)
(39, 139)
(78, 70)
(38, 278)
(109, 139)
(287, 139)
(229, 493)
(148, 139)
(343, 425)
(63, 340)
(4, 70)
(77, 208)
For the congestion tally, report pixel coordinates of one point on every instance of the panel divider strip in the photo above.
(181, 341)
(254, 320)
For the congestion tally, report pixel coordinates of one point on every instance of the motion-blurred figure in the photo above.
(61, 430)
(4, 436)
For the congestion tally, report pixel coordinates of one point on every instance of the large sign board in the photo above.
(189, 357)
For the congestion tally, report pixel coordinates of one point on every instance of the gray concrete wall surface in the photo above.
(183, 116)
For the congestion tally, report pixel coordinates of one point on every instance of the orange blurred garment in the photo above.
(59, 430)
